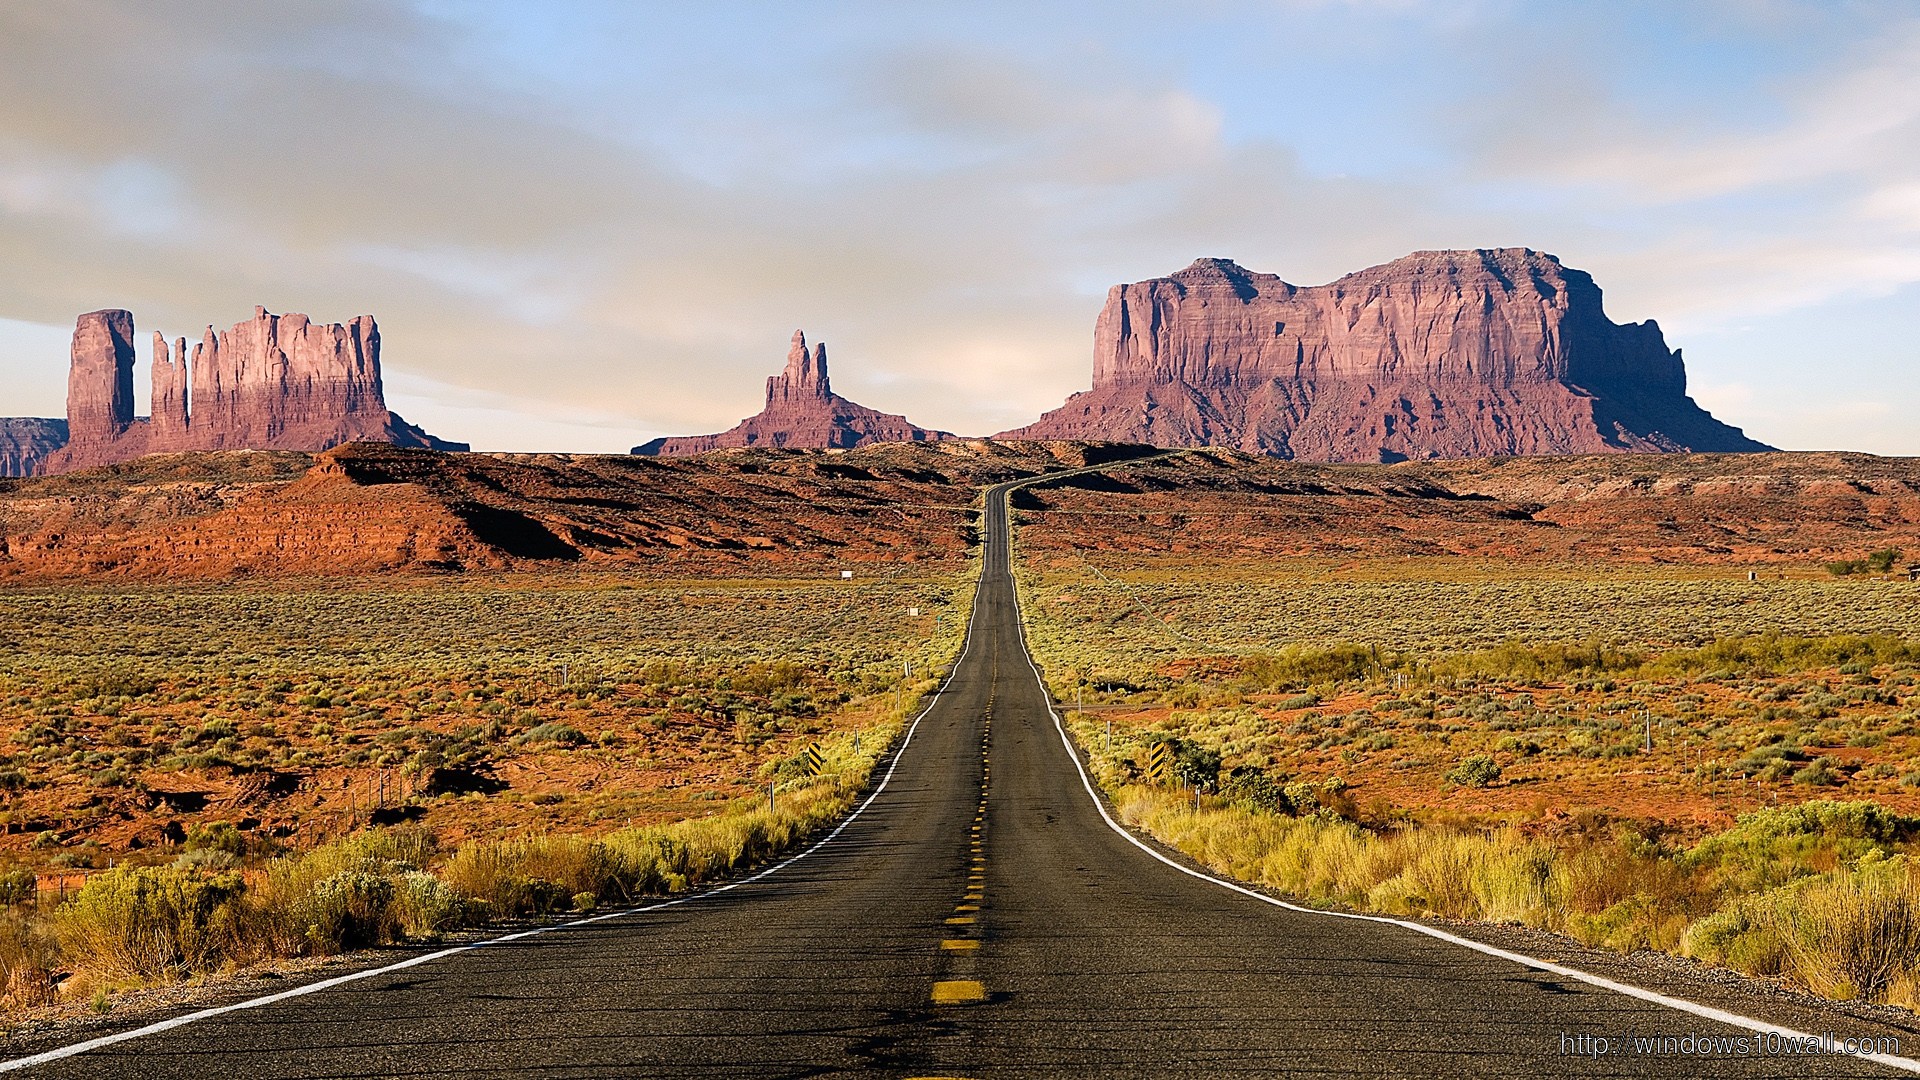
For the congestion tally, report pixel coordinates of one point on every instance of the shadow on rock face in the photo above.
(514, 533)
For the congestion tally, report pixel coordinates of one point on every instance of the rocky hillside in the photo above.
(802, 411)
(374, 508)
(1442, 354)
(370, 508)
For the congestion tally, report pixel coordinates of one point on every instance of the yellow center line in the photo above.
(958, 992)
(959, 944)
(961, 920)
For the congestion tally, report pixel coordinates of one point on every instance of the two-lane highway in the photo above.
(979, 918)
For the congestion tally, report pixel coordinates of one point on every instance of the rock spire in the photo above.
(802, 411)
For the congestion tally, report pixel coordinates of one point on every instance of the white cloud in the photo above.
(946, 216)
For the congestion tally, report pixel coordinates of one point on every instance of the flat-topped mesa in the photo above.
(1441, 354)
(277, 380)
(273, 382)
(801, 412)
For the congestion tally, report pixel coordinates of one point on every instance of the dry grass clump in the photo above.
(142, 924)
(1850, 931)
(540, 875)
(1849, 934)
(146, 922)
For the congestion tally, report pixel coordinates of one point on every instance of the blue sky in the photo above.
(582, 225)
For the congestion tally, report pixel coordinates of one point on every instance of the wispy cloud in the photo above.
(611, 212)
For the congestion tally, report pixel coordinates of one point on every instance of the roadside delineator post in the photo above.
(1159, 764)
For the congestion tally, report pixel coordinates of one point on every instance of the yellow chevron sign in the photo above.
(814, 761)
(1159, 763)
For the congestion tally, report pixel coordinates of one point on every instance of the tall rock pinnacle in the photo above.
(169, 391)
(802, 411)
(100, 382)
(805, 379)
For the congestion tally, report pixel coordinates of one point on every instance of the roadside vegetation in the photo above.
(205, 912)
(198, 780)
(1697, 765)
(130, 718)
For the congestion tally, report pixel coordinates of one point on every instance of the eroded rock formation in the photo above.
(1442, 354)
(27, 441)
(274, 382)
(802, 411)
(100, 378)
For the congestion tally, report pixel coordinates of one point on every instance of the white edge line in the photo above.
(1706, 1012)
(156, 1028)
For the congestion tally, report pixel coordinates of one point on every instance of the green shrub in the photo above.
(18, 885)
(1253, 789)
(106, 684)
(554, 732)
(1297, 666)
(215, 836)
(425, 907)
(1477, 771)
(347, 910)
(150, 921)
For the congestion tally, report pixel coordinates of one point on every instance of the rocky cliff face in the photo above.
(802, 411)
(1442, 354)
(27, 441)
(274, 382)
(100, 378)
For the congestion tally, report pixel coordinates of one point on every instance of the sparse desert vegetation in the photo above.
(1548, 692)
(474, 709)
(1654, 756)
(203, 777)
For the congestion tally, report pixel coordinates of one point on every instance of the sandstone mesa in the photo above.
(1441, 354)
(1438, 355)
(273, 382)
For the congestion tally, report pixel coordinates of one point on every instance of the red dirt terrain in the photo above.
(1758, 509)
(370, 508)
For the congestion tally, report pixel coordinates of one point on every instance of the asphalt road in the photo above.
(979, 919)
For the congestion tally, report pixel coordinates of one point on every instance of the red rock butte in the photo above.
(1441, 354)
(274, 382)
(802, 411)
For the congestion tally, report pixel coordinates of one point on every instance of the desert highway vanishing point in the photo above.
(979, 916)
